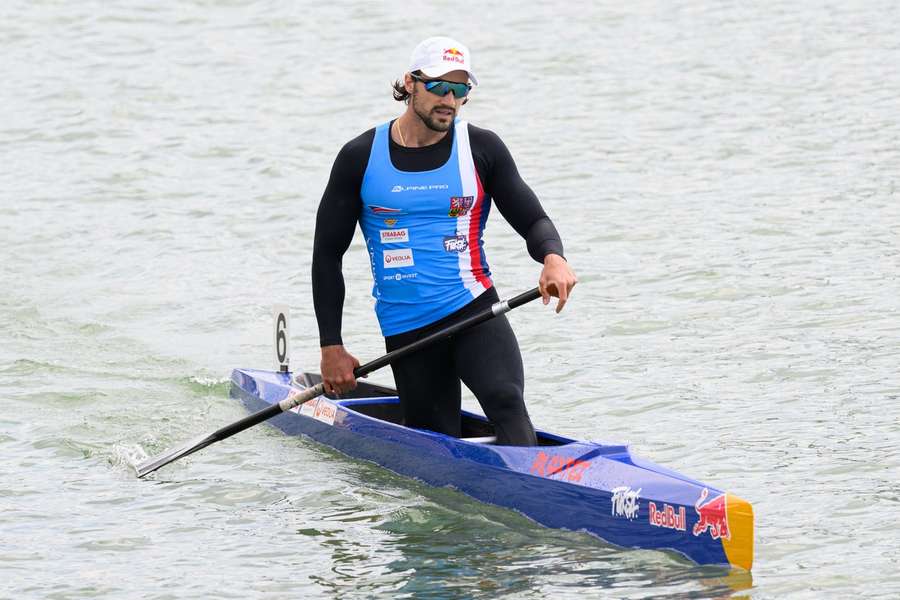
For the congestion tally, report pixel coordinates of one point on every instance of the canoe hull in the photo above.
(581, 486)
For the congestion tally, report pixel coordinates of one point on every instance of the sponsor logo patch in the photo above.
(325, 411)
(454, 55)
(399, 276)
(419, 188)
(667, 517)
(385, 210)
(394, 236)
(712, 516)
(308, 408)
(626, 502)
(460, 205)
(390, 222)
(456, 243)
(398, 258)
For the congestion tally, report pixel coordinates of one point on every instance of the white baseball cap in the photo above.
(437, 56)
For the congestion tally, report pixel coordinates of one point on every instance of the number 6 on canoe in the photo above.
(294, 400)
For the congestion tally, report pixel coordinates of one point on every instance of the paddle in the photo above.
(296, 399)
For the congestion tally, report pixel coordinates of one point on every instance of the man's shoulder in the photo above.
(360, 144)
(484, 139)
(487, 144)
(480, 133)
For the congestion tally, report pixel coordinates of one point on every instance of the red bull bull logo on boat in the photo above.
(712, 515)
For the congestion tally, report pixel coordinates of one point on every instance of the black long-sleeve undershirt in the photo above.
(340, 207)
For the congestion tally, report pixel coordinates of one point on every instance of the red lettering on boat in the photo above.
(558, 466)
(539, 465)
(667, 517)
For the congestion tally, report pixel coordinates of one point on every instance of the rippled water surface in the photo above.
(724, 176)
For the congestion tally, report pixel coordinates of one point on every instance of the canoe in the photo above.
(601, 489)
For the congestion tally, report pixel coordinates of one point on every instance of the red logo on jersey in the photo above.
(460, 205)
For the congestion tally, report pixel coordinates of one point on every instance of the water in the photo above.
(724, 178)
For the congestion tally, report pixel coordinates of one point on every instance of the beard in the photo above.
(430, 119)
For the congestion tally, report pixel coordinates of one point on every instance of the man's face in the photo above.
(437, 112)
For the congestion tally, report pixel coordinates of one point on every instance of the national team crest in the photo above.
(460, 205)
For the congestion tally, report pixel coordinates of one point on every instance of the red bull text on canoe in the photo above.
(667, 517)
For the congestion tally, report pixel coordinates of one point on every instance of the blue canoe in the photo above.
(561, 483)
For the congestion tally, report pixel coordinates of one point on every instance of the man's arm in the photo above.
(514, 198)
(520, 207)
(335, 223)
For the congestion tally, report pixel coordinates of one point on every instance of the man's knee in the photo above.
(505, 397)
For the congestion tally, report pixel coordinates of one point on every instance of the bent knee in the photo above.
(506, 398)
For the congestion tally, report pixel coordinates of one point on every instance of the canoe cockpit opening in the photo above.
(367, 399)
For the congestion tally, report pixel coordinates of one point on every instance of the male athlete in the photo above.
(420, 188)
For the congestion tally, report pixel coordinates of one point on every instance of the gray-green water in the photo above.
(724, 176)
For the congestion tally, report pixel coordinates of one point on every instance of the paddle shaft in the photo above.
(498, 308)
(296, 399)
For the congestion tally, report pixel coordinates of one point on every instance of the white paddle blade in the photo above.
(161, 460)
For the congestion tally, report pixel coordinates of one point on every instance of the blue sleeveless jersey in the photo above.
(424, 235)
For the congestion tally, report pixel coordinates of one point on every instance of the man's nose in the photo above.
(449, 100)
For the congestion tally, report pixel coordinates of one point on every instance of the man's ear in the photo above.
(409, 83)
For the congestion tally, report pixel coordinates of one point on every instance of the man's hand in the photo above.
(557, 279)
(337, 369)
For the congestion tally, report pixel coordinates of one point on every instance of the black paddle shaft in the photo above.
(496, 309)
(268, 412)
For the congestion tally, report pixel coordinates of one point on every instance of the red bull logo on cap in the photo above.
(712, 516)
(454, 55)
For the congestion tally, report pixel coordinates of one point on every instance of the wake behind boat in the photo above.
(562, 483)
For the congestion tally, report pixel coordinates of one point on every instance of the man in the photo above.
(420, 188)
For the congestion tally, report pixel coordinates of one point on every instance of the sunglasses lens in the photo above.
(442, 88)
(460, 90)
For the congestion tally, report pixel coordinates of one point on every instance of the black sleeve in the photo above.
(335, 223)
(514, 199)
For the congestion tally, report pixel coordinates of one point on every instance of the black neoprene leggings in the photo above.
(486, 358)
